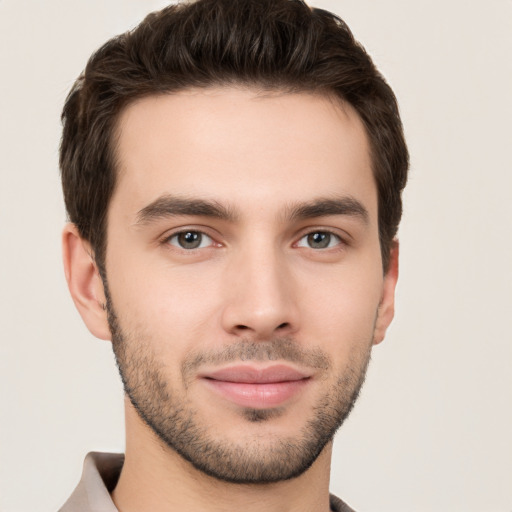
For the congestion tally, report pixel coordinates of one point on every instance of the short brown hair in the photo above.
(281, 45)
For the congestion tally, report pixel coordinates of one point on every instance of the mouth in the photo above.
(257, 388)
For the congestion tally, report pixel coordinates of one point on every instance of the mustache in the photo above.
(246, 350)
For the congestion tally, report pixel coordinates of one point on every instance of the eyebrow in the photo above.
(173, 206)
(323, 207)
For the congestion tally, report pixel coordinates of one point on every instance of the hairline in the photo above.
(263, 90)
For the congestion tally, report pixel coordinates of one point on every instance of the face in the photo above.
(245, 285)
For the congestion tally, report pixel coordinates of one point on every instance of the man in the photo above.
(232, 171)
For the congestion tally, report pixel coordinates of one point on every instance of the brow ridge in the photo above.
(173, 206)
(323, 207)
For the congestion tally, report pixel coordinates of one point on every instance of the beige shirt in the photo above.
(99, 477)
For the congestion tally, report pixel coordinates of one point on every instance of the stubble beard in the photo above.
(258, 461)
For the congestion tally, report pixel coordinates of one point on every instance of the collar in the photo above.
(99, 477)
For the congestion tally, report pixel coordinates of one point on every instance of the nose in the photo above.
(260, 302)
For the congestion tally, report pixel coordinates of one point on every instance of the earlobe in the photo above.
(386, 310)
(84, 282)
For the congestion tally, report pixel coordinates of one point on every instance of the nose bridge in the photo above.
(260, 299)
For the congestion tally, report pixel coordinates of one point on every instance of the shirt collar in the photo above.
(99, 477)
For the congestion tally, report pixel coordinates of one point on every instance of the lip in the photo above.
(258, 388)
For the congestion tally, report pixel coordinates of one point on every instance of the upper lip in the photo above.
(253, 375)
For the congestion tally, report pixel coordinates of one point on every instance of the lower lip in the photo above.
(257, 396)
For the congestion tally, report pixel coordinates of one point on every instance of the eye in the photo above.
(319, 240)
(190, 240)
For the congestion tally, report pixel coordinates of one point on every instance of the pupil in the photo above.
(190, 240)
(319, 240)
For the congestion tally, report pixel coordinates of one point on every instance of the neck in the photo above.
(154, 477)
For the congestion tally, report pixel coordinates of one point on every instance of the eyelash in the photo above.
(167, 240)
(341, 241)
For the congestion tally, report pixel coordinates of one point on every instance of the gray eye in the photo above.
(319, 240)
(190, 240)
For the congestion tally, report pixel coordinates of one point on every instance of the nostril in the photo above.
(242, 327)
(283, 325)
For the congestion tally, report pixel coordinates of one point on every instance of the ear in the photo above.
(84, 282)
(386, 310)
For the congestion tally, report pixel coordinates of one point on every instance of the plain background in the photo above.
(433, 428)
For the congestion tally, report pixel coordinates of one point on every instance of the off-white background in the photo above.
(433, 428)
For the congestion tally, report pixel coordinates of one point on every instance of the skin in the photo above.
(258, 156)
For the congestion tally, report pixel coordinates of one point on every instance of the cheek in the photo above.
(168, 303)
(340, 310)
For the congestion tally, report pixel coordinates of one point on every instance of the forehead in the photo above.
(241, 147)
